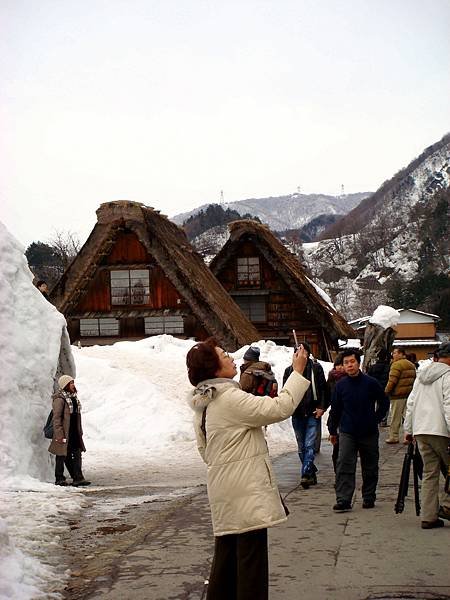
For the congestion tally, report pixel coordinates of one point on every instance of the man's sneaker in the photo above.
(80, 482)
(342, 506)
(432, 524)
(61, 482)
(392, 442)
(368, 503)
(444, 513)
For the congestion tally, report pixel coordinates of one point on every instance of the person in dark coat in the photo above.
(306, 418)
(357, 407)
(336, 373)
(67, 442)
(43, 288)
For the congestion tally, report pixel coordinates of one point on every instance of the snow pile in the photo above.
(30, 339)
(134, 399)
(385, 316)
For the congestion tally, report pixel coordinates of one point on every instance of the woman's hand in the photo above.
(300, 359)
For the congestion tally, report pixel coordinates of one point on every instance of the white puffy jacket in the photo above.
(242, 490)
(428, 406)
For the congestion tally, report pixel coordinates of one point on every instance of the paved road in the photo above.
(162, 550)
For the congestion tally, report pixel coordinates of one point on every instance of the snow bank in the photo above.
(30, 339)
(134, 399)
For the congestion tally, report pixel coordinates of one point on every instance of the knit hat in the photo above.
(444, 350)
(64, 380)
(252, 353)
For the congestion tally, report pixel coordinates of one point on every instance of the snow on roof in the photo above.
(353, 343)
(420, 312)
(322, 293)
(416, 342)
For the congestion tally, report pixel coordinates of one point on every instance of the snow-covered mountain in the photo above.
(288, 212)
(395, 241)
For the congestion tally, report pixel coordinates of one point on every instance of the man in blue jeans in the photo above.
(306, 418)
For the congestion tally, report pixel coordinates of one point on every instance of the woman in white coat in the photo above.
(242, 490)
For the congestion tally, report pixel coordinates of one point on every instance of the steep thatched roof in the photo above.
(289, 269)
(169, 246)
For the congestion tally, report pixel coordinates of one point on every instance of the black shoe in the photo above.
(305, 482)
(62, 482)
(368, 503)
(342, 506)
(80, 482)
(432, 524)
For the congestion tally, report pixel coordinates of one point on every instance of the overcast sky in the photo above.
(167, 102)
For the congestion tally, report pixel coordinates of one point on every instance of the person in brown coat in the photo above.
(401, 380)
(67, 442)
(254, 370)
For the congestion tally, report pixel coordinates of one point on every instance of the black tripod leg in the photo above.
(416, 487)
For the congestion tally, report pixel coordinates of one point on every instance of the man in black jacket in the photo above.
(306, 418)
(358, 406)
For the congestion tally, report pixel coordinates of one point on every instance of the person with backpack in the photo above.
(257, 377)
(306, 419)
(67, 441)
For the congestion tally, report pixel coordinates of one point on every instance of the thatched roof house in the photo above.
(269, 284)
(137, 275)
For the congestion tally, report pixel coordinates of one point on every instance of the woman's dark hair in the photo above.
(352, 352)
(338, 360)
(202, 361)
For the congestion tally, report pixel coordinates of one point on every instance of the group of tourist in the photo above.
(229, 424)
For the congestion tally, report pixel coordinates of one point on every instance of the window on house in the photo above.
(130, 287)
(248, 271)
(254, 307)
(164, 324)
(98, 327)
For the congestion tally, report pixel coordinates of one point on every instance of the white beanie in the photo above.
(64, 380)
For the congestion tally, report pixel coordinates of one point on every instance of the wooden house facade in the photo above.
(137, 276)
(270, 286)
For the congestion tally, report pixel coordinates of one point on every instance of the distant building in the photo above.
(271, 288)
(136, 276)
(416, 331)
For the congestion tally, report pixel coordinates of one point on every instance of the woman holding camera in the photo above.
(243, 494)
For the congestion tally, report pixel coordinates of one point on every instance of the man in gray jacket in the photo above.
(428, 419)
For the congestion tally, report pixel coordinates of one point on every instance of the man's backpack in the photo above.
(259, 383)
(48, 427)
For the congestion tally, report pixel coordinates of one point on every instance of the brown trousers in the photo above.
(397, 411)
(433, 449)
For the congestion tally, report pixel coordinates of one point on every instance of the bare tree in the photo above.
(66, 245)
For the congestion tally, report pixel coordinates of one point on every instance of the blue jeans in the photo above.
(305, 429)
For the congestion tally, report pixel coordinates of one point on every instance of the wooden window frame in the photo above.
(129, 294)
(170, 325)
(246, 269)
(99, 331)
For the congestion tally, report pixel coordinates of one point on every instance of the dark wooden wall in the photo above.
(285, 311)
(127, 251)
